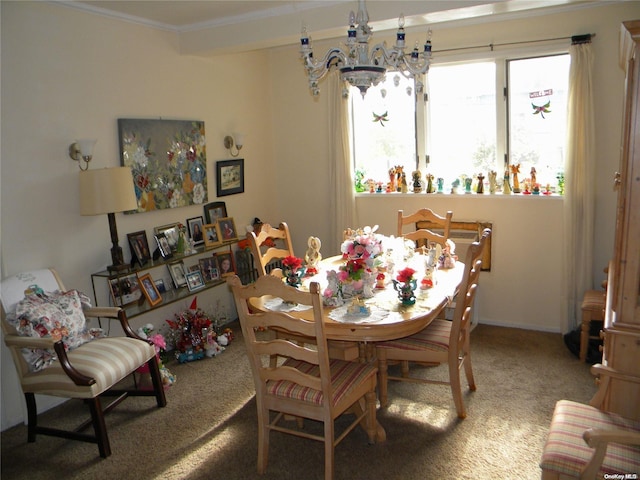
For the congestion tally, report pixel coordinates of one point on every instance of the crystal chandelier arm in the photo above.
(316, 70)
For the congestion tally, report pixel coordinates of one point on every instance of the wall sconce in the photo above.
(82, 150)
(229, 143)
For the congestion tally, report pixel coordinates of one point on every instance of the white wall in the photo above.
(68, 74)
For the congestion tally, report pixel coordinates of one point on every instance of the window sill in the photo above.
(459, 195)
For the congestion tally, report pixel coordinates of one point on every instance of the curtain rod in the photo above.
(575, 39)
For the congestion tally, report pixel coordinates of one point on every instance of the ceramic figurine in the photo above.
(403, 183)
(492, 181)
(480, 189)
(515, 170)
(440, 183)
(506, 187)
(417, 184)
(313, 256)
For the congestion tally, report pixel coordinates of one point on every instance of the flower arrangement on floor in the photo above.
(194, 335)
(405, 284)
(293, 270)
(160, 346)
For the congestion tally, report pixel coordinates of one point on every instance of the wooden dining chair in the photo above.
(265, 254)
(307, 383)
(270, 244)
(442, 341)
(422, 235)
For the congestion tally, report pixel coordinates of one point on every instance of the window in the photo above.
(384, 127)
(475, 115)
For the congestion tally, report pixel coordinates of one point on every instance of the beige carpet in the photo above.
(208, 429)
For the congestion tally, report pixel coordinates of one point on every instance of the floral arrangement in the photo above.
(196, 335)
(293, 270)
(353, 270)
(160, 346)
(363, 244)
(405, 284)
(406, 275)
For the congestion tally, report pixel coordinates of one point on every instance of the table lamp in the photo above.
(108, 190)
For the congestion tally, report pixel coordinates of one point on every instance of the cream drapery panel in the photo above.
(579, 203)
(342, 203)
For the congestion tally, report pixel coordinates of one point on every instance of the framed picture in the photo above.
(227, 229)
(229, 177)
(149, 289)
(215, 210)
(226, 264)
(160, 285)
(212, 237)
(125, 290)
(163, 141)
(194, 281)
(139, 247)
(209, 268)
(195, 230)
(176, 270)
(163, 245)
(171, 233)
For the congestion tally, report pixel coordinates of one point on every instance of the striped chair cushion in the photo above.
(434, 337)
(344, 376)
(594, 300)
(567, 453)
(107, 360)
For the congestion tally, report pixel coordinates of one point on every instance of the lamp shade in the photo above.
(107, 190)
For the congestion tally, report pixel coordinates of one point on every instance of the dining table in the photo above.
(386, 318)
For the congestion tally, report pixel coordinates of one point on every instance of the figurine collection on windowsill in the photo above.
(475, 184)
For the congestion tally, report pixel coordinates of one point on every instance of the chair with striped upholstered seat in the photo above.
(86, 370)
(305, 383)
(588, 442)
(442, 341)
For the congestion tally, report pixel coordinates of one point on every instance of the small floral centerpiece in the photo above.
(405, 284)
(293, 270)
(364, 244)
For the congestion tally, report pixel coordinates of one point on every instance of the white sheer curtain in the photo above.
(342, 202)
(579, 182)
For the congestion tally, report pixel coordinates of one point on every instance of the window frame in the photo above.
(501, 56)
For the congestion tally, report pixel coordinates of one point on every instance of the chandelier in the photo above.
(360, 67)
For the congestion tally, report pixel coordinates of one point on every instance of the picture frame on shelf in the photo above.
(194, 227)
(176, 270)
(228, 230)
(160, 285)
(215, 210)
(163, 245)
(209, 268)
(149, 289)
(124, 290)
(226, 264)
(171, 233)
(194, 280)
(229, 177)
(139, 246)
(212, 236)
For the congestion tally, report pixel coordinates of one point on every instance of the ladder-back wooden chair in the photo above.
(278, 245)
(265, 255)
(442, 341)
(424, 236)
(307, 384)
(87, 372)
